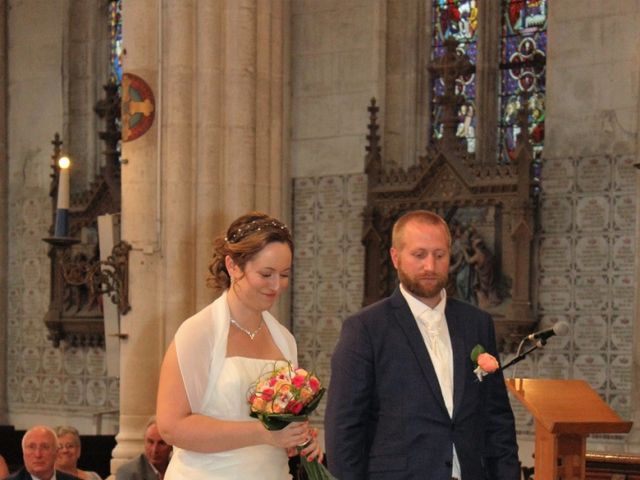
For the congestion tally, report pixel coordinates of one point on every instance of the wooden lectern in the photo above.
(565, 413)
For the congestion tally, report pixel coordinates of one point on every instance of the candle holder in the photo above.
(80, 280)
(103, 277)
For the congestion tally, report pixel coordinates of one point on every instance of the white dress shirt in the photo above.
(435, 333)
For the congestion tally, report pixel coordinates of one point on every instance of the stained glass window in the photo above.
(115, 24)
(523, 56)
(457, 19)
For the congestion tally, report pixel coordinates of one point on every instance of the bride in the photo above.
(218, 353)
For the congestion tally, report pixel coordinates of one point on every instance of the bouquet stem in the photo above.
(315, 470)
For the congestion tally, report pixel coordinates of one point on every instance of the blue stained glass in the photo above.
(523, 69)
(457, 19)
(115, 24)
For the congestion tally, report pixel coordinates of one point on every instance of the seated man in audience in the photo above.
(151, 464)
(39, 452)
(4, 469)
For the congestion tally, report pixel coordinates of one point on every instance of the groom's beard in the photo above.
(425, 286)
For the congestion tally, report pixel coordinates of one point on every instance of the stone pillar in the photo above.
(141, 351)
(216, 150)
(487, 83)
(407, 84)
(4, 218)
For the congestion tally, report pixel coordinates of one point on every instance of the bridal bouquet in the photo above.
(287, 394)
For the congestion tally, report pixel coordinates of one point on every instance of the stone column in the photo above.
(141, 351)
(487, 82)
(4, 218)
(407, 85)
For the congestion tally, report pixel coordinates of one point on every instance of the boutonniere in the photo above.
(485, 362)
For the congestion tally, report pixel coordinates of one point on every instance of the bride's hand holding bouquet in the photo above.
(282, 399)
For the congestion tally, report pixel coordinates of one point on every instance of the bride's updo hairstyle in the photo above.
(245, 238)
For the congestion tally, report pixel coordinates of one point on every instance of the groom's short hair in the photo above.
(421, 216)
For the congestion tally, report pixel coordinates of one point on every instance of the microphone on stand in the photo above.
(560, 329)
(540, 338)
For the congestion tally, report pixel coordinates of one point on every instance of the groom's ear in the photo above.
(394, 256)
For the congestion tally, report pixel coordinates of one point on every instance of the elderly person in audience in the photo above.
(39, 452)
(4, 469)
(69, 452)
(152, 464)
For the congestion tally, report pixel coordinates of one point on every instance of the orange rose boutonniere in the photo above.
(485, 362)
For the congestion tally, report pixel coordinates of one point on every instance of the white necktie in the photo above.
(439, 347)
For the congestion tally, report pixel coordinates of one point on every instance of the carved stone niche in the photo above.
(78, 276)
(490, 212)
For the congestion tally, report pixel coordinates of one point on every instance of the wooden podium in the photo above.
(565, 413)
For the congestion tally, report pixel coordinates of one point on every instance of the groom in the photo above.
(403, 401)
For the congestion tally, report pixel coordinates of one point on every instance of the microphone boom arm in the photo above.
(539, 344)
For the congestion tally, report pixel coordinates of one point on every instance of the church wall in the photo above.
(585, 272)
(337, 65)
(45, 384)
(587, 241)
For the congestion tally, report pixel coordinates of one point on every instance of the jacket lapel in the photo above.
(408, 325)
(456, 332)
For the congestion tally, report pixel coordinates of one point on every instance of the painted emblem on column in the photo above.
(138, 107)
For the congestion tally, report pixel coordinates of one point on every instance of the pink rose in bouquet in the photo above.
(284, 395)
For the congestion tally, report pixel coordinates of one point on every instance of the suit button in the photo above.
(448, 464)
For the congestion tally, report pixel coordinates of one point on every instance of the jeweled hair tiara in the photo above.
(254, 226)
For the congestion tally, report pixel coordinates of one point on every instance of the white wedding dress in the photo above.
(228, 401)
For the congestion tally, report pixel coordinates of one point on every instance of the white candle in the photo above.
(63, 183)
(62, 210)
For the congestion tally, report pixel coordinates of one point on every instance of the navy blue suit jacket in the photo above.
(386, 417)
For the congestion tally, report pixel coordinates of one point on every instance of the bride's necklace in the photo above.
(249, 333)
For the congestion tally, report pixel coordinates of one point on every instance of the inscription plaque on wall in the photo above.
(330, 223)
(624, 208)
(555, 254)
(331, 192)
(558, 176)
(51, 360)
(592, 368)
(96, 364)
(590, 332)
(592, 213)
(30, 360)
(621, 373)
(592, 253)
(623, 252)
(623, 291)
(30, 389)
(555, 293)
(51, 391)
(305, 194)
(592, 293)
(594, 175)
(74, 361)
(624, 173)
(73, 391)
(96, 392)
(331, 265)
(621, 326)
(305, 262)
(556, 215)
(554, 365)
